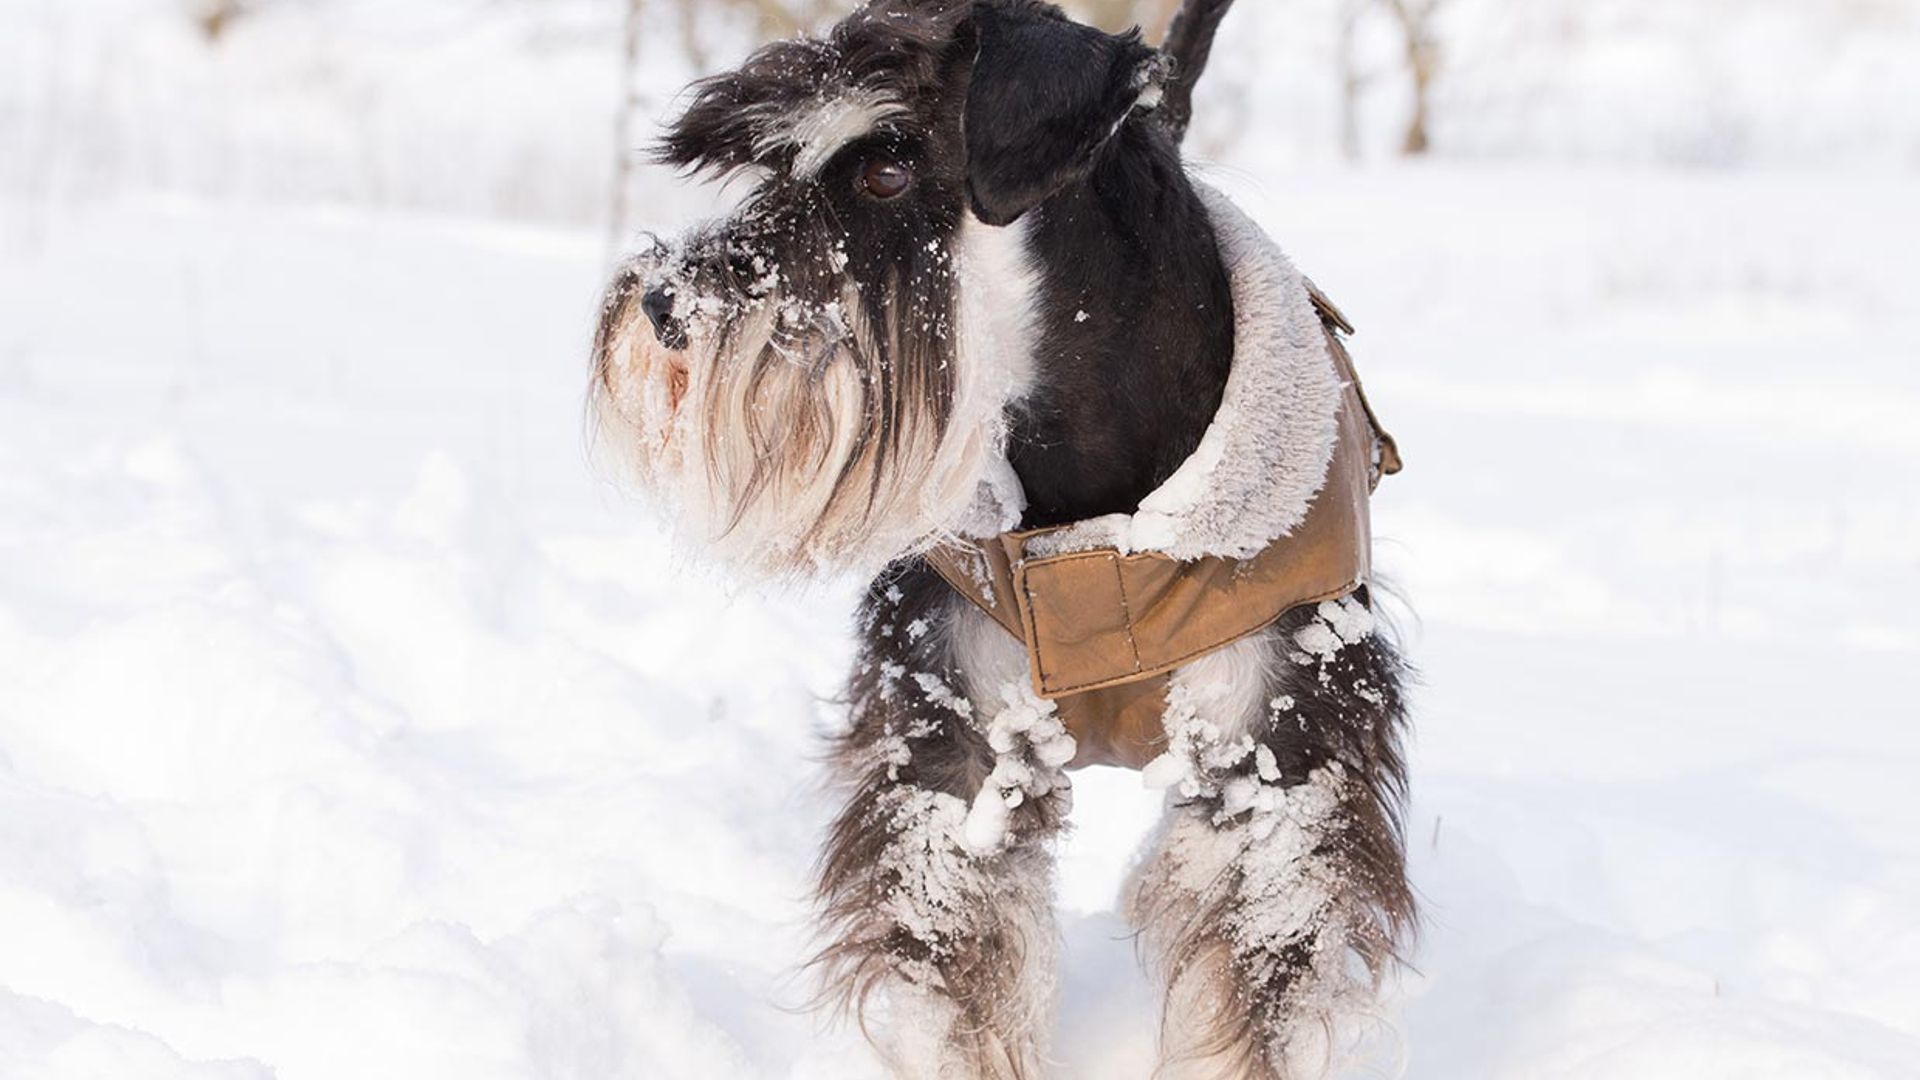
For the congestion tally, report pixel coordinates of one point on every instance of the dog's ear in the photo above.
(1046, 94)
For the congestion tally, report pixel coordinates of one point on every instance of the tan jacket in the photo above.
(1104, 629)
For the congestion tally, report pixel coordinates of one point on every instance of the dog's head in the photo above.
(818, 381)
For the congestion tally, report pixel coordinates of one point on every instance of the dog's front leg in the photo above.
(936, 883)
(1275, 894)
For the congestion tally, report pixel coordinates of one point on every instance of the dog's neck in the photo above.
(1135, 335)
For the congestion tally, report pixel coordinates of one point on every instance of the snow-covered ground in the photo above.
(349, 727)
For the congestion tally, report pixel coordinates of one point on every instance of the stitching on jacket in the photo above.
(1162, 669)
(1126, 610)
(1029, 621)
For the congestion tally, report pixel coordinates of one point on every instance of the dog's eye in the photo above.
(885, 178)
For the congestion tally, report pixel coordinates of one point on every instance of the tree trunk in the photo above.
(1422, 49)
(1155, 16)
(215, 16)
(777, 19)
(1417, 140)
(1109, 15)
(617, 210)
(1352, 82)
(1422, 64)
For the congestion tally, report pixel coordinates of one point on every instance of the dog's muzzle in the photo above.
(645, 370)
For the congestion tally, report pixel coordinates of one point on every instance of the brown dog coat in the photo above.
(1103, 628)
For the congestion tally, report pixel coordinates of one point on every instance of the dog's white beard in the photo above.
(763, 465)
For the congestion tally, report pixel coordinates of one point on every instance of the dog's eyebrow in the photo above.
(817, 129)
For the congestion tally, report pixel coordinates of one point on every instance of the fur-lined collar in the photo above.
(1266, 452)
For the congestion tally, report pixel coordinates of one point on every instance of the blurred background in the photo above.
(350, 726)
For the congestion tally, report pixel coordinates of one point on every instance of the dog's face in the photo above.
(818, 382)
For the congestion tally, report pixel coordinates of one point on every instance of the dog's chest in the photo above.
(1101, 629)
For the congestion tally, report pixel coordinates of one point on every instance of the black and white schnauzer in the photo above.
(973, 301)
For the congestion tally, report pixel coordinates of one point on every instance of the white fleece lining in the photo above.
(1266, 453)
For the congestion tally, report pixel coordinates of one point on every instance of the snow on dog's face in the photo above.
(818, 381)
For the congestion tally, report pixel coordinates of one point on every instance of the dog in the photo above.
(975, 332)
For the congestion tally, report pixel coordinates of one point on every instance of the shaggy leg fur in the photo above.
(1275, 895)
(937, 880)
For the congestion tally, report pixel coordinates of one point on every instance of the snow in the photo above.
(1031, 748)
(349, 726)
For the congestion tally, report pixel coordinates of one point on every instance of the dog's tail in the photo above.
(1189, 42)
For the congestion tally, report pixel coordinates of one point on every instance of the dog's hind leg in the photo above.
(1274, 896)
(936, 883)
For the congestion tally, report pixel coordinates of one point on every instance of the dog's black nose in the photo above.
(658, 304)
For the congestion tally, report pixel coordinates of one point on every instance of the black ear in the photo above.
(1047, 93)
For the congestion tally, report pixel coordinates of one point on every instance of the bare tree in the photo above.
(1106, 14)
(1117, 15)
(785, 18)
(1353, 81)
(1421, 43)
(778, 18)
(213, 17)
(623, 122)
(1155, 16)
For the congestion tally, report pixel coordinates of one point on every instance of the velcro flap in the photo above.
(1079, 628)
